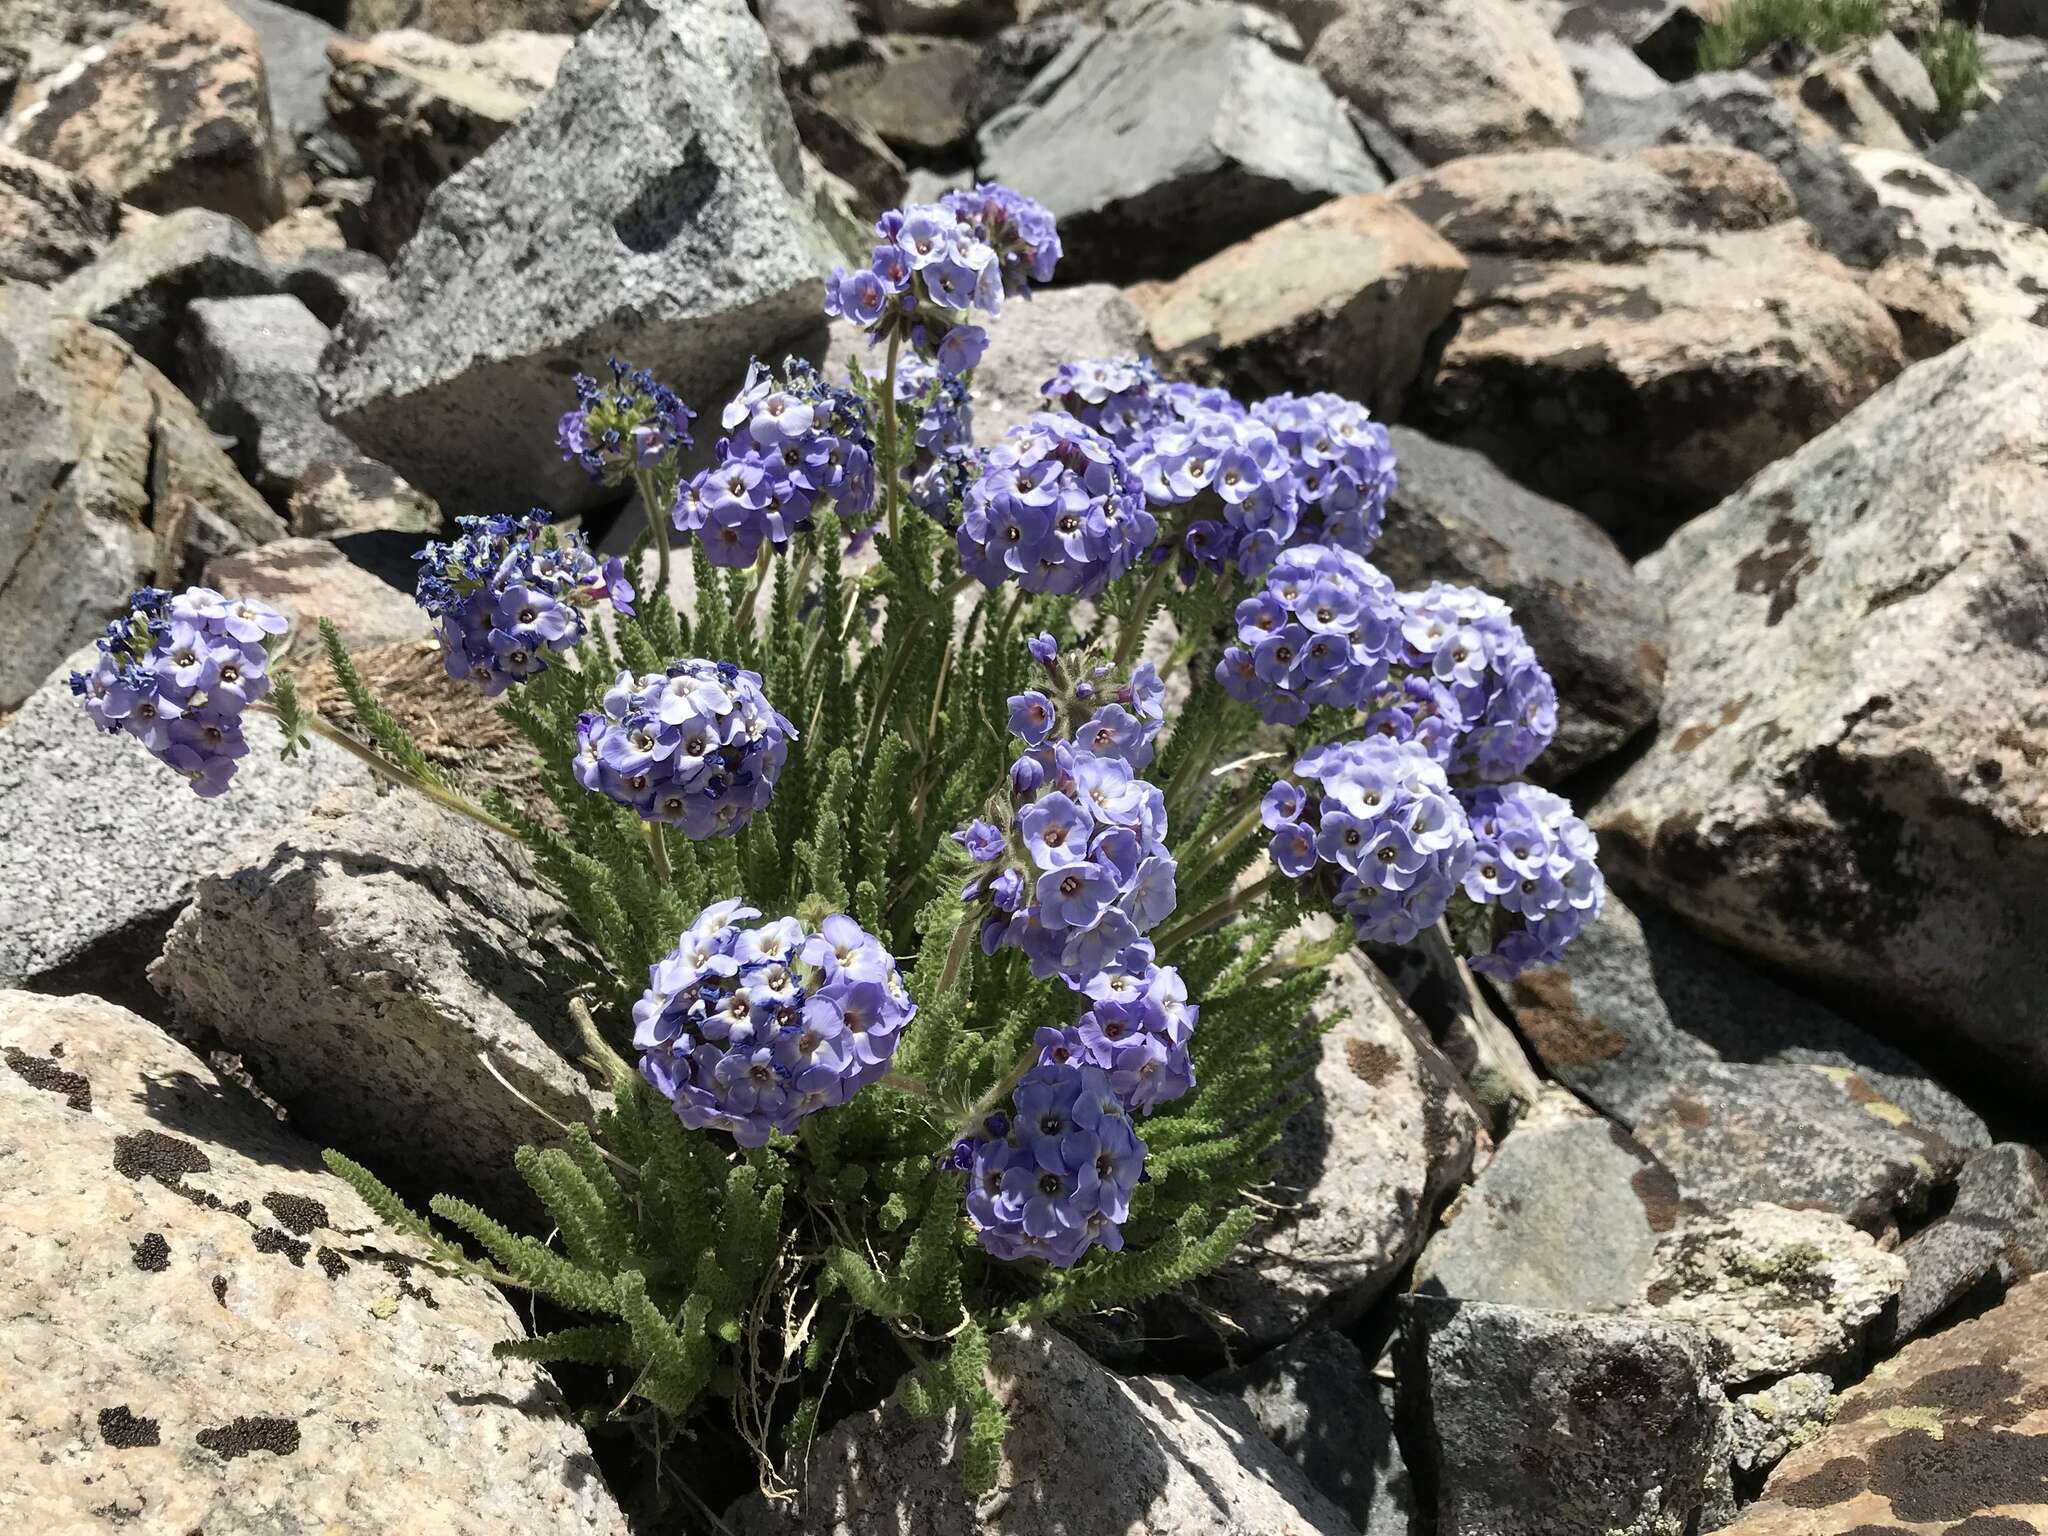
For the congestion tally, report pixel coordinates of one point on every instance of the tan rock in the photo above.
(1851, 773)
(358, 496)
(108, 479)
(169, 114)
(1950, 1435)
(52, 221)
(307, 579)
(1343, 297)
(1450, 77)
(208, 1331)
(471, 21)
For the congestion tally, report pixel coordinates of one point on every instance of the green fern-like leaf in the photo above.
(377, 722)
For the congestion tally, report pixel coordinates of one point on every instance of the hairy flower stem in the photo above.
(743, 620)
(1216, 916)
(1225, 841)
(657, 848)
(657, 525)
(386, 769)
(891, 490)
(1138, 620)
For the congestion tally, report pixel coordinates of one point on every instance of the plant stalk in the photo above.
(891, 492)
(384, 768)
(1217, 915)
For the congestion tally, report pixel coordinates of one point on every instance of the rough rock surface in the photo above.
(1218, 133)
(330, 282)
(418, 109)
(1819, 1138)
(1598, 630)
(1779, 1290)
(129, 835)
(1994, 1234)
(1316, 1398)
(294, 48)
(1874, 92)
(1949, 1436)
(169, 114)
(1544, 1424)
(1639, 337)
(2004, 149)
(107, 479)
(248, 365)
(139, 287)
(1148, 1456)
(207, 1330)
(1763, 1426)
(357, 495)
(912, 91)
(1566, 1216)
(310, 579)
(471, 21)
(1642, 1002)
(52, 221)
(434, 945)
(1829, 789)
(808, 34)
(687, 256)
(1450, 77)
(1344, 297)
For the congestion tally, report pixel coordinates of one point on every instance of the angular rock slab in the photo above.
(552, 250)
(207, 1330)
(1993, 1235)
(1547, 1424)
(248, 365)
(1834, 787)
(308, 579)
(1951, 1435)
(1344, 297)
(1416, 65)
(1599, 631)
(1089, 1453)
(1216, 133)
(170, 114)
(1357, 1175)
(1641, 1002)
(432, 952)
(1763, 1426)
(472, 21)
(52, 221)
(2004, 148)
(107, 479)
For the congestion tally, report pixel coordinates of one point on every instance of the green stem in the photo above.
(657, 524)
(743, 620)
(1138, 620)
(1236, 832)
(1216, 916)
(386, 769)
(897, 666)
(890, 489)
(657, 847)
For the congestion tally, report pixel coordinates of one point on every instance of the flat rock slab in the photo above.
(1148, 1456)
(248, 365)
(130, 836)
(52, 221)
(1951, 1435)
(433, 952)
(552, 250)
(472, 21)
(208, 1331)
(1829, 789)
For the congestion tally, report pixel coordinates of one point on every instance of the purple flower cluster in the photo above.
(1122, 398)
(509, 593)
(1136, 1028)
(1082, 872)
(1055, 508)
(748, 1030)
(1343, 464)
(1474, 696)
(1054, 1177)
(697, 747)
(936, 265)
(633, 423)
(177, 672)
(943, 412)
(1324, 631)
(1233, 476)
(1386, 825)
(792, 444)
(1533, 860)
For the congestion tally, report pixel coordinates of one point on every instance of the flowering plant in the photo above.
(931, 950)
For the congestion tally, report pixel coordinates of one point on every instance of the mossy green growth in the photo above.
(1748, 27)
(1954, 61)
(1781, 1266)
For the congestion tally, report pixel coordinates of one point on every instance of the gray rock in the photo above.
(1315, 1397)
(1995, 1233)
(141, 284)
(1216, 135)
(129, 834)
(810, 34)
(912, 91)
(2008, 59)
(1642, 1002)
(1599, 632)
(851, 151)
(1779, 1290)
(1087, 1454)
(1828, 789)
(1663, 35)
(1820, 1138)
(955, 18)
(108, 480)
(1013, 57)
(294, 47)
(1607, 70)
(2014, 18)
(329, 282)
(1536, 1423)
(433, 954)
(248, 366)
(52, 222)
(2004, 148)
(358, 495)
(1874, 92)
(1737, 109)
(310, 579)
(1764, 1426)
(1565, 1217)
(552, 250)
(471, 21)
(207, 1330)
